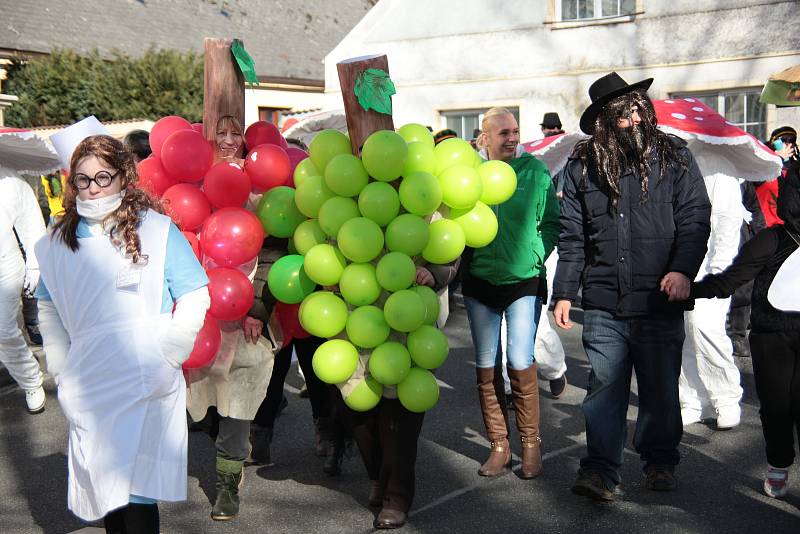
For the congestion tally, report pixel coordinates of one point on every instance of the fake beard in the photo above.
(632, 141)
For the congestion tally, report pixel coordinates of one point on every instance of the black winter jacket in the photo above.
(619, 255)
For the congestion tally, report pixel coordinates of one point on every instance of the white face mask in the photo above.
(98, 208)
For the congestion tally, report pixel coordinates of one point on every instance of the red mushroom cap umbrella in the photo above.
(718, 145)
(554, 151)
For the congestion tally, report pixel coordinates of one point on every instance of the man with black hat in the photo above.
(634, 227)
(551, 124)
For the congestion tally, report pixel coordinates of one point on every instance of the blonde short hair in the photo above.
(488, 116)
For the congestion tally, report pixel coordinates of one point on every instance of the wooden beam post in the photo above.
(223, 88)
(361, 123)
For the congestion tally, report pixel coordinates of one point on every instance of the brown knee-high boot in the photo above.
(525, 387)
(496, 429)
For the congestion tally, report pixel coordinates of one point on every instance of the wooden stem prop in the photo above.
(360, 122)
(223, 90)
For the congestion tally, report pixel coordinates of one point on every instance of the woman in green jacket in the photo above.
(507, 278)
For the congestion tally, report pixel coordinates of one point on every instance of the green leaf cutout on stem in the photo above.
(374, 90)
(245, 62)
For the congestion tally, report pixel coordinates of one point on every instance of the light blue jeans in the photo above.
(522, 320)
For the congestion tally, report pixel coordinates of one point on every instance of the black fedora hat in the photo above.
(603, 91)
(551, 120)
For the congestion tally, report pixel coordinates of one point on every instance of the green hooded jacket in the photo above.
(528, 227)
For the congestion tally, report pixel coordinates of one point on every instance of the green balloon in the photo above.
(416, 133)
(431, 301)
(408, 234)
(365, 396)
(335, 212)
(345, 175)
(288, 281)
(303, 170)
(323, 314)
(404, 310)
(325, 146)
(366, 327)
(428, 347)
(451, 152)
(461, 186)
(278, 212)
(335, 361)
(396, 271)
(324, 264)
(379, 202)
(308, 234)
(384, 155)
(419, 392)
(360, 239)
(359, 284)
(420, 159)
(499, 181)
(311, 195)
(420, 193)
(390, 363)
(446, 242)
(479, 224)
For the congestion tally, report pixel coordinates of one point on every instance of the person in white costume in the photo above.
(112, 270)
(709, 384)
(19, 213)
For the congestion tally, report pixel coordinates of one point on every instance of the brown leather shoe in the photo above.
(375, 494)
(590, 484)
(496, 429)
(525, 387)
(388, 519)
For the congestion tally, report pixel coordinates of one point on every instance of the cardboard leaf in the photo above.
(374, 90)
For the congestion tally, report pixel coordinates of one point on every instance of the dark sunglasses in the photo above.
(103, 179)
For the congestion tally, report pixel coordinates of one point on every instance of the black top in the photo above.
(759, 259)
(619, 255)
(502, 296)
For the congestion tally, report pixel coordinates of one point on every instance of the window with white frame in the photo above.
(465, 122)
(739, 106)
(576, 10)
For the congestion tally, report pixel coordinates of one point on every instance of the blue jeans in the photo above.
(522, 319)
(615, 347)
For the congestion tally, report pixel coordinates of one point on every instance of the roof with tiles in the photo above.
(288, 39)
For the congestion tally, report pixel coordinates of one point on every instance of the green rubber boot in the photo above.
(230, 477)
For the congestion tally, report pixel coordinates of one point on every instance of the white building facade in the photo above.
(451, 60)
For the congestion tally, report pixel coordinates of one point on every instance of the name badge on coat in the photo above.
(129, 279)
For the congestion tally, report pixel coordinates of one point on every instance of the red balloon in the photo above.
(226, 185)
(231, 294)
(186, 205)
(198, 127)
(206, 345)
(231, 236)
(153, 178)
(191, 237)
(268, 166)
(296, 155)
(163, 128)
(187, 155)
(263, 132)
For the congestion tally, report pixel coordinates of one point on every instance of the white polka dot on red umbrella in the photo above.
(697, 108)
(678, 115)
(669, 101)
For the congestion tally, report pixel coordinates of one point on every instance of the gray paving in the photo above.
(719, 477)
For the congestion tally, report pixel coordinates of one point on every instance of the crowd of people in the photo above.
(650, 248)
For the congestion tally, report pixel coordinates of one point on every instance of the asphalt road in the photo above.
(719, 477)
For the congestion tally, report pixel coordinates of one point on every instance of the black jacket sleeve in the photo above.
(692, 216)
(746, 265)
(571, 240)
(751, 204)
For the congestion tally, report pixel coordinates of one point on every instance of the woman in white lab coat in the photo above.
(111, 271)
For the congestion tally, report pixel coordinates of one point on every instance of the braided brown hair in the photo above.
(611, 154)
(135, 202)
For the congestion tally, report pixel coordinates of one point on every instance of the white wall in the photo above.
(456, 54)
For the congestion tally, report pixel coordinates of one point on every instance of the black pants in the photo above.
(133, 519)
(317, 389)
(387, 439)
(739, 314)
(776, 367)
